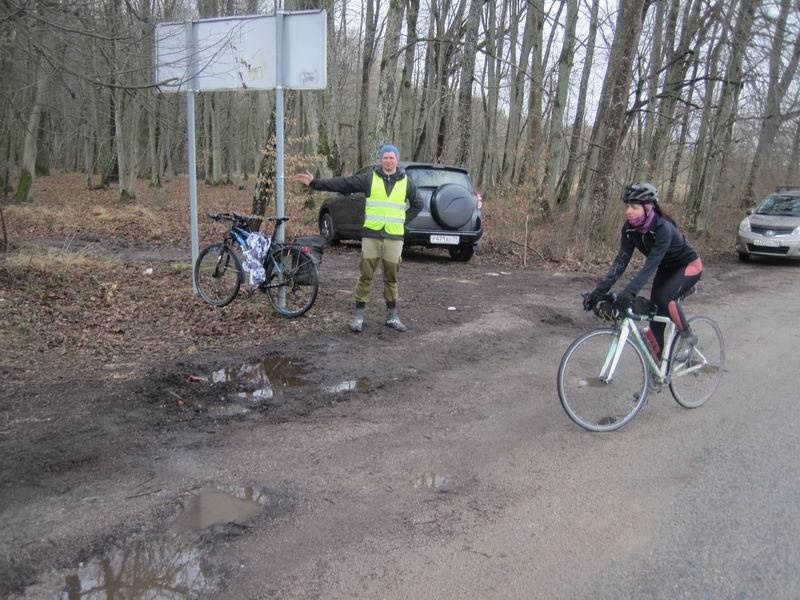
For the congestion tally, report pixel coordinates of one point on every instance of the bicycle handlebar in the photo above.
(604, 309)
(241, 219)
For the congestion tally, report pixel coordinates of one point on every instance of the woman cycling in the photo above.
(676, 264)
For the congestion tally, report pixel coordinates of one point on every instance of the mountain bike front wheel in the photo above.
(592, 399)
(218, 275)
(292, 281)
(694, 381)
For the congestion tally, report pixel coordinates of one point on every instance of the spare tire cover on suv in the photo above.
(452, 205)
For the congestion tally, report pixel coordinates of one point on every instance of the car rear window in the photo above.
(433, 178)
(780, 205)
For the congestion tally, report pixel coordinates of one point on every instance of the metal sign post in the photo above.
(237, 53)
(191, 73)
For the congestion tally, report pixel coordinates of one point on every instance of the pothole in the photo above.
(259, 380)
(362, 384)
(170, 564)
(213, 507)
(167, 567)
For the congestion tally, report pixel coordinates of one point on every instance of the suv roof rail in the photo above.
(787, 188)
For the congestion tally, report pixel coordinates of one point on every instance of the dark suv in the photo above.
(450, 218)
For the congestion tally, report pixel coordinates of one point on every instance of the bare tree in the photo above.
(779, 80)
(555, 139)
(597, 182)
(467, 77)
(407, 123)
(387, 94)
(577, 127)
(371, 25)
(518, 76)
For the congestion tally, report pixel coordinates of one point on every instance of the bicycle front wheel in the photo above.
(694, 381)
(218, 275)
(292, 282)
(593, 399)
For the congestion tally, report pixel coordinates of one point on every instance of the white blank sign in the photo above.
(237, 53)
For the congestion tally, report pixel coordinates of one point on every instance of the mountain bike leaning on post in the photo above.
(605, 374)
(292, 279)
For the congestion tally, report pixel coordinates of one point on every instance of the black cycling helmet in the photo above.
(640, 192)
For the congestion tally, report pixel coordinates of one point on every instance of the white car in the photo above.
(773, 228)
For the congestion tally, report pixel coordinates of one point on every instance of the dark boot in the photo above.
(393, 321)
(357, 322)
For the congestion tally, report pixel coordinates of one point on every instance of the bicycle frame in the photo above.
(628, 329)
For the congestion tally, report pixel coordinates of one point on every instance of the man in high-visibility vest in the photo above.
(391, 202)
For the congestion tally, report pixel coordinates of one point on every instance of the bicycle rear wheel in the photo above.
(292, 281)
(695, 381)
(592, 401)
(218, 274)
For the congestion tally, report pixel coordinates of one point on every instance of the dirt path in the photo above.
(381, 464)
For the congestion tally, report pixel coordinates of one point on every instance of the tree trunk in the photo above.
(792, 176)
(577, 128)
(366, 66)
(701, 152)
(407, 123)
(555, 140)
(30, 143)
(679, 61)
(778, 85)
(387, 93)
(265, 176)
(656, 58)
(518, 76)
(215, 102)
(725, 113)
(494, 59)
(597, 181)
(467, 77)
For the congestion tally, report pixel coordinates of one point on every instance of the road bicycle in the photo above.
(292, 278)
(605, 375)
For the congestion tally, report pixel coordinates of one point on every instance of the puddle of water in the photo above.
(437, 482)
(169, 565)
(155, 568)
(211, 507)
(259, 379)
(229, 410)
(362, 384)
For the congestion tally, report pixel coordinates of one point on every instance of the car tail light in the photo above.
(479, 200)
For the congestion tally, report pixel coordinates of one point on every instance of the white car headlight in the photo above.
(745, 225)
(796, 231)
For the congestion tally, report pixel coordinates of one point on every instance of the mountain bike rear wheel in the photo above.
(596, 403)
(292, 281)
(694, 381)
(218, 275)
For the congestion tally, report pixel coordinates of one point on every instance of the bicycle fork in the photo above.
(612, 358)
(615, 352)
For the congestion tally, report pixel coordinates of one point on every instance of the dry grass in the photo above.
(63, 207)
(514, 231)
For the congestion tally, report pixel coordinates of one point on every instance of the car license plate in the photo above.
(444, 239)
(768, 243)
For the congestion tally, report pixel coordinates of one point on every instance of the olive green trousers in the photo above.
(386, 252)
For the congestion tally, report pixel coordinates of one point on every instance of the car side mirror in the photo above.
(750, 211)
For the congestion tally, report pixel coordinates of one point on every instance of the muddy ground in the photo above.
(104, 452)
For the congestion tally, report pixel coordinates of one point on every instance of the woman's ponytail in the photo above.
(660, 212)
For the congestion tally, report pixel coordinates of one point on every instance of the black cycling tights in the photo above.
(668, 286)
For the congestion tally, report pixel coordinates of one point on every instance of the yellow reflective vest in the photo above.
(386, 211)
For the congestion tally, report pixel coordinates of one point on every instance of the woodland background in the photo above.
(552, 106)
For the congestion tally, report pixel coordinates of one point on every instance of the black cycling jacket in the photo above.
(664, 246)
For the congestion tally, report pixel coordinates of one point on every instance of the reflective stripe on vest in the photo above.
(386, 211)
